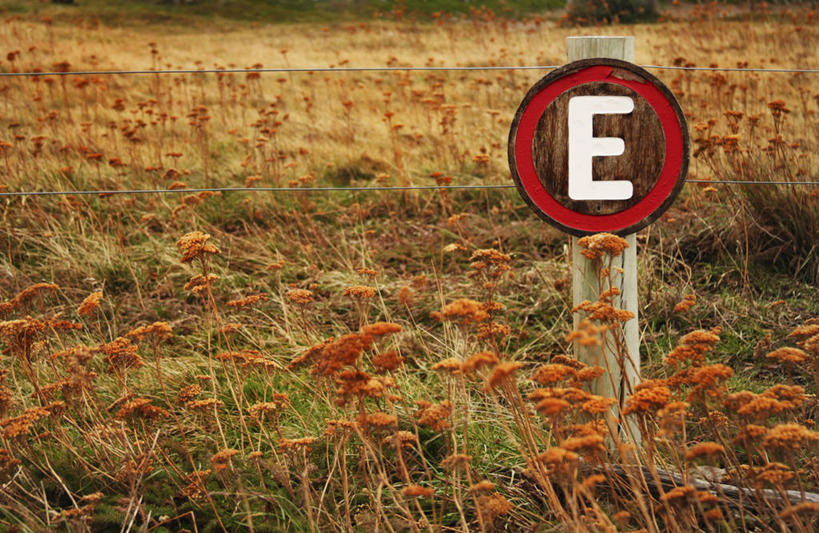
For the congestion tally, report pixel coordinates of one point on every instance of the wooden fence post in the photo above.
(619, 380)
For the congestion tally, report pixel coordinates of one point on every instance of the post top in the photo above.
(615, 47)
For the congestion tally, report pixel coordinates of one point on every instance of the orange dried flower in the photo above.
(812, 345)
(594, 246)
(260, 410)
(121, 353)
(90, 304)
(295, 444)
(188, 393)
(810, 509)
(790, 437)
(479, 360)
(672, 417)
(493, 330)
(587, 444)
(199, 283)
(493, 506)
(333, 356)
(552, 407)
(19, 334)
(707, 381)
(223, 456)
(681, 496)
(140, 408)
(750, 433)
(692, 348)
(456, 461)
(381, 421)
(549, 374)
(451, 365)
(300, 296)
(773, 473)
(406, 296)
(229, 328)
(29, 293)
(686, 304)
(558, 460)
(195, 485)
(592, 481)
(646, 399)
(367, 272)
(435, 416)
(586, 375)
(603, 311)
(388, 361)
(380, 328)
(587, 333)
(564, 359)
(482, 486)
(501, 373)
(159, 330)
(247, 301)
(464, 311)
(597, 405)
(22, 423)
(205, 405)
(309, 356)
(417, 491)
(356, 384)
(787, 355)
(570, 394)
(195, 245)
(359, 292)
(704, 449)
(803, 333)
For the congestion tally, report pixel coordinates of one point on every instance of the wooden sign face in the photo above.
(599, 145)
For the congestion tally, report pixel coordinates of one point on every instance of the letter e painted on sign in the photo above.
(583, 146)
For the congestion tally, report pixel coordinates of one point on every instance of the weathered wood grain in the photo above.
(641, 162)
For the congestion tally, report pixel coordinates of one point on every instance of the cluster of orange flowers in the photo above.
(24, 297)
(594, 246)
(195, 245)
(463, 311)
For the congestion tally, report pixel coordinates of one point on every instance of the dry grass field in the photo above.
(390, 360)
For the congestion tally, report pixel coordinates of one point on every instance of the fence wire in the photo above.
(109, 192)
(285, 70)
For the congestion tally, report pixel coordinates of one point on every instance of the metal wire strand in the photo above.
(107, 192)
(376, 69)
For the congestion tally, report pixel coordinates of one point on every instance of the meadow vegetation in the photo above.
(382, 360)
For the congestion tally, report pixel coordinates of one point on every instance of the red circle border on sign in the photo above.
(645, 210)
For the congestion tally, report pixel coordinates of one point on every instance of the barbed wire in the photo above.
(109, 192)
(286, 70)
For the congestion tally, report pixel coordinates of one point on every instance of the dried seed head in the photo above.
(300, 296)
(704, 449)
(195, 245)
(359, 292)
(417, 491)
(388, 361)
(790, 437)
(247, 301)
(90, 304)
(502, 372)
(463, 311)
(594, 246)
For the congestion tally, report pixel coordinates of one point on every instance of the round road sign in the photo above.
(599, 145)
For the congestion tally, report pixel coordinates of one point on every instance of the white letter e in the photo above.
(583, 146)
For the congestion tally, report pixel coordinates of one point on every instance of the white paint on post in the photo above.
(583, 146)
(622, 376)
